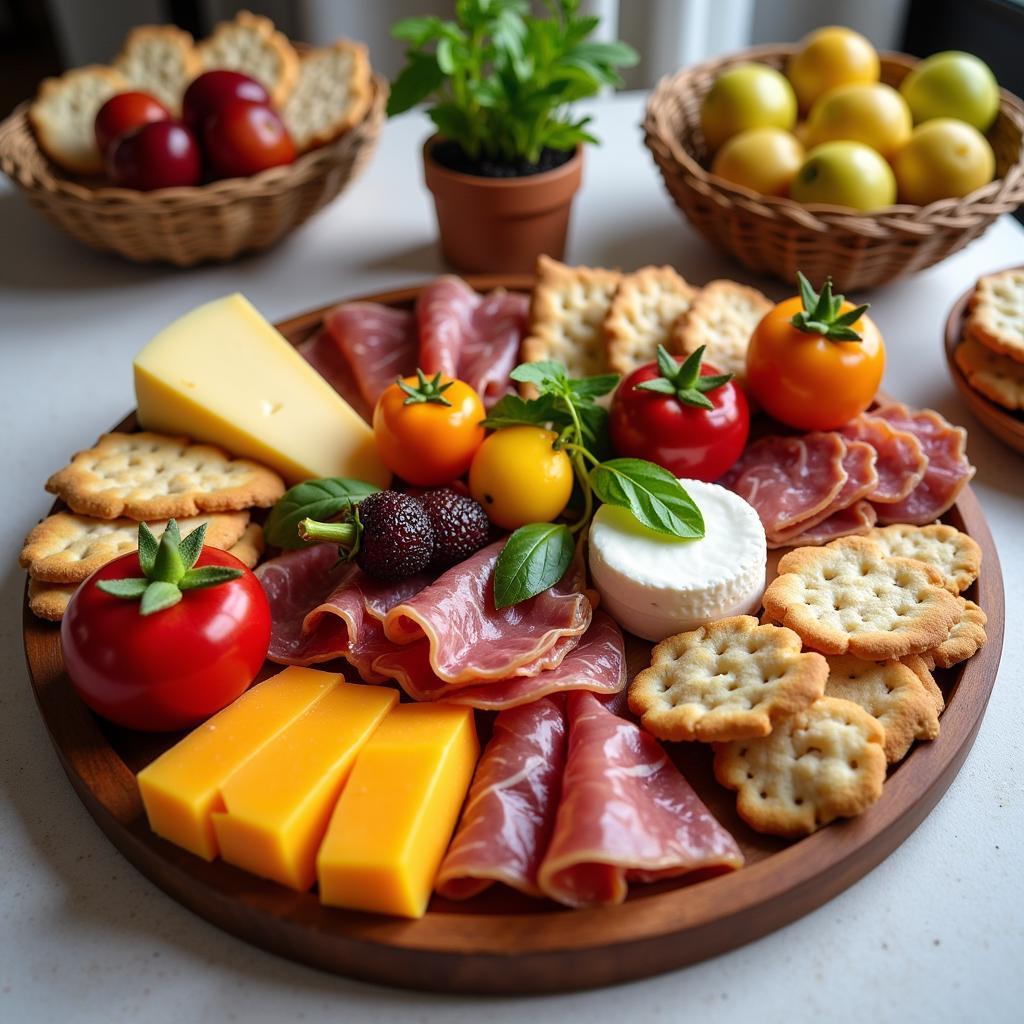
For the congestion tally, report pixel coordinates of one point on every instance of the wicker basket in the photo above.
(192, 225)
(778, 236)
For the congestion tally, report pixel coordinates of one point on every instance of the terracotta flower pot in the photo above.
(501, 225)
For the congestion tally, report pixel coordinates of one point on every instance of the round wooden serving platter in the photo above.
(1006, 425)
(500, 942)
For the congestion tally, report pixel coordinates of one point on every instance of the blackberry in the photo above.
(460, 525)
(397, 539)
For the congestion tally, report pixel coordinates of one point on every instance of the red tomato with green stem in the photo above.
(681, 414)
(162, 638)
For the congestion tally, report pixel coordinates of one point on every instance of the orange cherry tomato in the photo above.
(428, 429)
(807, 379)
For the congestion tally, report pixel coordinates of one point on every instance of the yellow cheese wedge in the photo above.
(396, 814)
(223, 374)
(279, 802)
(182, 788)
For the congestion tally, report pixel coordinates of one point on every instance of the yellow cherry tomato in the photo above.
(844, 174)
(829, 57)
(944, 159)
(952, 84)
(427, 430)
(746, 96)
(765, 160)
(809, 380)
(875, 114)
(519, 477)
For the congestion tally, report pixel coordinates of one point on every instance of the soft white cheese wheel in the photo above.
(655, 585)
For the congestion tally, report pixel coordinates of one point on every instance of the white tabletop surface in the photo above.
(935, 933)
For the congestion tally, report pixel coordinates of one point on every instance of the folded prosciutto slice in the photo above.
(469, 641)
(626, 813)
(323, 354)
(510, 811)
(900, 461)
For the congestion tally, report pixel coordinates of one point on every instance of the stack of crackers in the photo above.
(809, 706)
(598, 321)
(991, 354)
(320, 93)
(127, 478)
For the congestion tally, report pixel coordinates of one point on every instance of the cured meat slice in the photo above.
(853, 521)
(379, 343)
(471, 641)
(789, 479)
(900, 462)
(509, 814)
(625, 814)
(861, 479)
(948, 472)
(473, 337)
(323, 354)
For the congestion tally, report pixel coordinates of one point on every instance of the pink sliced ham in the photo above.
(379, 343)
(901, 461)
(323, 354)
(948, 472)
(626, 814)
(470, 641)
(510, 811)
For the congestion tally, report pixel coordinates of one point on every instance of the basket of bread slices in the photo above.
(184, 152)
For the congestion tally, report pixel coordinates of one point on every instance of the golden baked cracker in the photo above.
(646, 305)
(567, 314)
(966, 636)
(728, 680)
(953, 553)
(68, 548)
(917, 664)
(849, 597)
(153, 476)
(890, 692)
(49, 600)
(252, 45)
(160, 60)
(249, 547)
(996, 376)
(996, 317)
(64, 113)
(823, 763)
(722, 318)
(332, 93)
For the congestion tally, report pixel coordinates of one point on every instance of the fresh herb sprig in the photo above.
(325, 499)
(536, 556)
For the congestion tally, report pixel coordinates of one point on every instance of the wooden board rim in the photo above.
(529, 952)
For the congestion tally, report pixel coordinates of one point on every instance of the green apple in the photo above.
(746, 96)
(952, 84)
(845, 174)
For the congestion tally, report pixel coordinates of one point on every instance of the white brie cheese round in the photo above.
(655, 585)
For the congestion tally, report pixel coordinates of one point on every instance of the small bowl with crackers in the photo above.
(187, 152)
(985, 351)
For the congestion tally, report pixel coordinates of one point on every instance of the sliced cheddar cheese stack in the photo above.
(222, 374)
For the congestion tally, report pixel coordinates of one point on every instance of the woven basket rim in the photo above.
(270, 182)
(906, 219)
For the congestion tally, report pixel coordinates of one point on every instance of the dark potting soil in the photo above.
(451, 155)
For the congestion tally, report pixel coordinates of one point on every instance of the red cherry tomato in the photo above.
(688, 440)
(213, 89)
(162, 154)
(245, 138)
(172, 668)
(125, 112)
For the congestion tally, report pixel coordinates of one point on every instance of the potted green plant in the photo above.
(507, 157)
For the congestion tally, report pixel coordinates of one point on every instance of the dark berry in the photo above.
(397, 538)
(460, 525)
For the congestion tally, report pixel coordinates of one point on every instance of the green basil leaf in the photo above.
(545, 374)
(596, 435)
(417, 80)
(533, 559)
(513, 411)
(313, 499)
(594, 387)
(651, 493)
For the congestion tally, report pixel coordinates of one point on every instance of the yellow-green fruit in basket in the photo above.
(875, 114)
(746, 96)
(845, 174)
(830, 57)
(952, 84)
(944, 159)
(765, 160)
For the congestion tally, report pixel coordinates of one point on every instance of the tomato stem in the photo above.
(345, 535)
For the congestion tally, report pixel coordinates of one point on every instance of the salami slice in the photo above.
(901, 461)
(856, 520)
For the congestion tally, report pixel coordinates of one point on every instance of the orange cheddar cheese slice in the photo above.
(396, 814)
(181, 789)
(279, 802)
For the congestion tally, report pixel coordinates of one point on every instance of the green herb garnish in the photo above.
(821, 315)
(324, 499)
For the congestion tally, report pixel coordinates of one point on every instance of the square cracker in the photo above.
(953, 553)
(160, 60)
(154, 476)
(996, 376)
(646, 305)
(567, 315)
(996, 317)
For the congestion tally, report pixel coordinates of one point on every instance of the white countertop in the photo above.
(935, 933)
